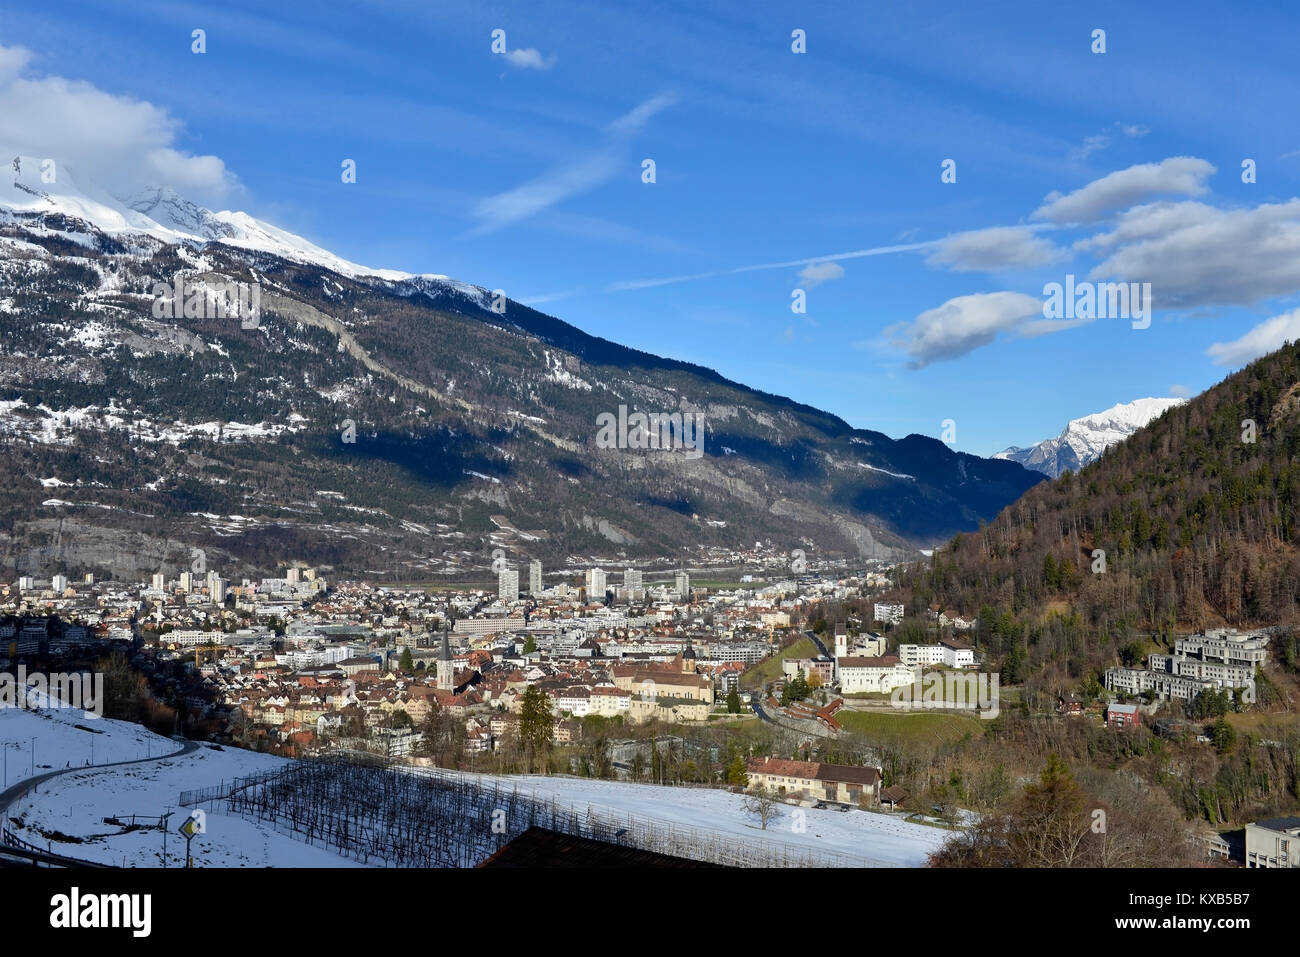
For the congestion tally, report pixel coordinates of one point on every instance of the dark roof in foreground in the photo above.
(541, 847)
(1279, 823)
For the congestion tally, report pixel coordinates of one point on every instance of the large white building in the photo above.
(534, 577)
(632, 579)
(1273, 843)
(508, 584)
(595, 584)
(1219, 660)
(881, 675)
(921, 655)
(957, 654)
(682, 585)
(888, 614)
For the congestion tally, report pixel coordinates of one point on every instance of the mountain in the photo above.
(382, 424)
(1192, 522)
(1084, 440)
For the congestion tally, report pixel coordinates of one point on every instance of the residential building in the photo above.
(957, 654)
(1121, 716)
(595, 585)
(508, 585)
(921, 655)
(682, 585)
(810, 780)
(1273, 843)
(888, 614)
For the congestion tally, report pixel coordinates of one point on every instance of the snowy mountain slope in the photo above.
(162, 213)
(1085, 439)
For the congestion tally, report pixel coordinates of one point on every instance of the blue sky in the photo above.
(523, 171)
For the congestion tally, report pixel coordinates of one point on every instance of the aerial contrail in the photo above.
(624, 285)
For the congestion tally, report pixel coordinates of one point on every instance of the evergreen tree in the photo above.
(535, 724)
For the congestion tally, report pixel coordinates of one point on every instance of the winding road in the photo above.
(16, 791)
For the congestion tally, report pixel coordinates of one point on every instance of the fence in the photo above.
(37, 856)
(378, 812)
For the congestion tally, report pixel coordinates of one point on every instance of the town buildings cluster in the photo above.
(297, 663)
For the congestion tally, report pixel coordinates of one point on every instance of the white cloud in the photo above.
(814, 274)
(637, 117)
(1132, 130)
(989, 250)
(123, 144)
(1091, 144)
(1180, 391)
(1179, 175)
(1269, 336)
(529, 58)
(532, 197)
(1197, 255)
(962, 325)
(13, 60)
(570, 179)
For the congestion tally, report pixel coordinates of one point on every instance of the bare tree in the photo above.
(762, 803)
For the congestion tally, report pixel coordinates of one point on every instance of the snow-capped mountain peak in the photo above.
(1085, 439)
(42, 187)
(165, 206)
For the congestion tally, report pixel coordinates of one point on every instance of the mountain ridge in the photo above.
(231, 437)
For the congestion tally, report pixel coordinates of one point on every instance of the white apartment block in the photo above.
(921, 655)
(1236, 675)
(508, 585)
(576, 701)
(534, 577)
(487, 626)
(1273, 843)
(188, 638)
(1220, 659)
(1135, 681)
(595, 584)
(745, 652)
(1225, 645)
(888, 614)
(957, 654)
(315, 657)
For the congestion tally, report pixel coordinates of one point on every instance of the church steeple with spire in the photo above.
(446, 667)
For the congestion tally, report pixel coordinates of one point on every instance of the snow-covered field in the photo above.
(68, 738)
(67, 813)
(865, 838)
(74, 805)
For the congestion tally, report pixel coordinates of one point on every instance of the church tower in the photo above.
(446, 668)
(688, 658)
